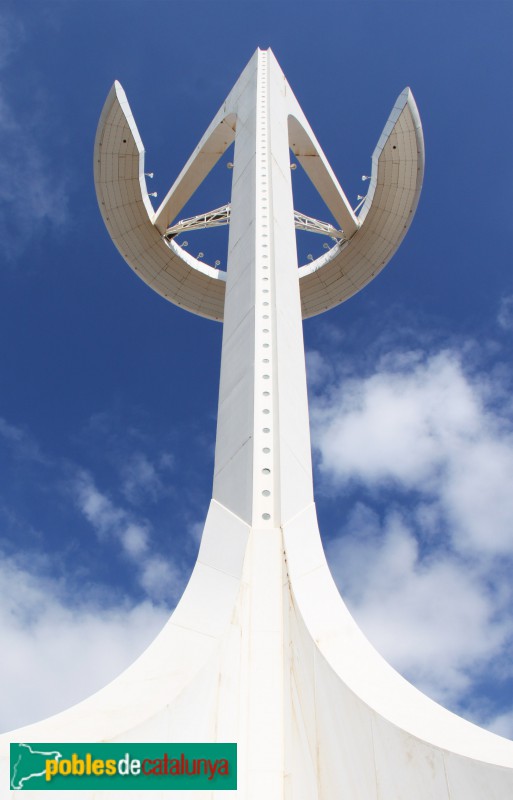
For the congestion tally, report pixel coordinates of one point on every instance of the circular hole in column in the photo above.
(266, 471)
(266, 516)
(265, 344)
(265, 377)
(265, 330)
(266, 493)
(266, 411)
(266, 316)
(266, 430)
(265, 361)
(265, 304)
(266, 450)
(266, 394)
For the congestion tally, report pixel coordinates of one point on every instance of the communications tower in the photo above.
(261, 649)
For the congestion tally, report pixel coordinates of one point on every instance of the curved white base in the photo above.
(312, 706)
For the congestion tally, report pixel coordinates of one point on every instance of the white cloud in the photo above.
(425, 558)
(502, 724)
(195, 530)
(424, 428)
(32, 187)
(135, 540)
(167, 461)
(317, 368)
(22, 445)
(433, 617)
(505, 315)
(478, 495)
(12, 36)
(46, 619)
(97, 508)
(42, 632)
(160, 577)
(141, 480)
(157, 576)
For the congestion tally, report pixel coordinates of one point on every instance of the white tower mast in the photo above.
(261, 649)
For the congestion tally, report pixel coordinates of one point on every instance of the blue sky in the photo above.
(108, 393)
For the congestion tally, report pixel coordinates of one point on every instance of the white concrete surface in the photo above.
(261, 649)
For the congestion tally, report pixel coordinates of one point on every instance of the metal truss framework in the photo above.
(221, 216)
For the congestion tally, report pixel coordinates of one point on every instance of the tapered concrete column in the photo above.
(263, 464)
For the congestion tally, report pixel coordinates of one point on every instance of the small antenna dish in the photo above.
(149, 174)
(310, 257)
(293, 166)
(152, 194)
(229, 165)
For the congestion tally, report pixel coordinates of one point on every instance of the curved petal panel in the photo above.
(396, 181)
(129, 217)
